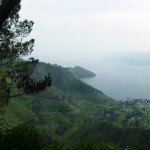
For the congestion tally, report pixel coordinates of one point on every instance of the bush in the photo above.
(22, 137)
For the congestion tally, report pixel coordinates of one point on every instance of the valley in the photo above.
(70, 108)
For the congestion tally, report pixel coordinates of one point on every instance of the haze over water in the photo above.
(128, 78)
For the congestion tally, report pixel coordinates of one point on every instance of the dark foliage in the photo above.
(83, 145)
(15, 74)
(5, 9)
(22, 137)
(135, 138)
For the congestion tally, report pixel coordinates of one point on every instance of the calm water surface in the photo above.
(120, 80)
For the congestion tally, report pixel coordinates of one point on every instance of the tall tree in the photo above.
(15, 74)
(6, 6)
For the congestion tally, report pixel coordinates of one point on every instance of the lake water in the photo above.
(120, 80)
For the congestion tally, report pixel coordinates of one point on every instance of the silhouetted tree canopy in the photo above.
(6, 7)
(15, 73)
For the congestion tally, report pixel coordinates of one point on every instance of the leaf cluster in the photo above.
(15, 74)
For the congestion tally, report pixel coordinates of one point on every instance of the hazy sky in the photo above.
(82, 30)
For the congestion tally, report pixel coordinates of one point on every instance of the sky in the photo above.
(85, 30)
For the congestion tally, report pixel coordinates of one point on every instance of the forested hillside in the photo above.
(48, 107)
(71, 110)
(59, 108)
(80, 72)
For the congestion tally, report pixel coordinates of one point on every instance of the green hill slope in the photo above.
(67, 83)
(61, 107)
(70, 111)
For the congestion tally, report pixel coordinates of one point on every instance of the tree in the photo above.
(22, 137)
(6, 6)
(15, 73)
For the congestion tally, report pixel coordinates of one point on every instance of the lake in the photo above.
(120, 80)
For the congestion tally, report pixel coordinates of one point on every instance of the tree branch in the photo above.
(5, 9)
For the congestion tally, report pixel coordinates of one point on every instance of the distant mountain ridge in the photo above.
(81, 72)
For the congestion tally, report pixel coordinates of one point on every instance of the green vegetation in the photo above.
(80, 72)
(83, 145)
(71, 111)
(61, 107)
(15, 76)
(70, 115)
(22, 137)
(133, 138)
